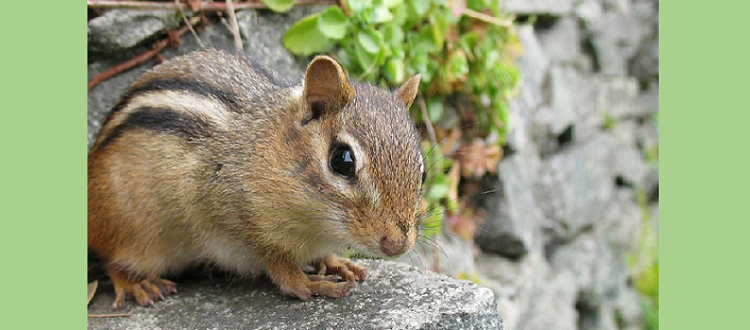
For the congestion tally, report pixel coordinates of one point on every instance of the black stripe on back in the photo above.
(161, 120)
(174, 84)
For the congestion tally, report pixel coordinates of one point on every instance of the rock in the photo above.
(572, 115)
(627, 309)
(645, 64)
(561, 43)
(615, 38)
(552, 305)
(577, 185)
(629, 164)
(533, 66)
(653, 217)
(599, 272)
(618, 98)
(395, 296)
(454, 257)
(618, 6)
(621, 225)
(263, 33)
(648, 100)
(512, 214)
(551, 7)
(513, 282)
(566, 85)
(589, 10)
(121, 29)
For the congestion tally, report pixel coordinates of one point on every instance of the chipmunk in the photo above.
(215, 158)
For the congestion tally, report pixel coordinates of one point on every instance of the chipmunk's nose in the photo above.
(393, 246)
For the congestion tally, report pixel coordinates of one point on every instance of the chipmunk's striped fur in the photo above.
(212, 157)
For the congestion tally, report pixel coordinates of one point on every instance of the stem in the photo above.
(207, 6)
(108, 315)
(187, 23)
(233, 25)
(427, 121)
(487, 18)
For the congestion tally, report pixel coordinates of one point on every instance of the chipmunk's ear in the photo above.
(326, 86)
(408, 91)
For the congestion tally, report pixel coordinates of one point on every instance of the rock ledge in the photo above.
(395, 296)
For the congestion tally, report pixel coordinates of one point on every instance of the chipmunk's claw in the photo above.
(347, 269)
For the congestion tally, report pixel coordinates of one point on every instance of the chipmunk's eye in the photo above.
(342, 160)
(424, 176)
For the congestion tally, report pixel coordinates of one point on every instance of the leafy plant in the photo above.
(464, 51)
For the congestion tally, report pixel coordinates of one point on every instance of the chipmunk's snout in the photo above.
(393, 246)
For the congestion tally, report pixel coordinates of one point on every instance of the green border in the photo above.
(703, 100)
(43, 180)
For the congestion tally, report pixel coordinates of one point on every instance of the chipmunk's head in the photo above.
(368, 162)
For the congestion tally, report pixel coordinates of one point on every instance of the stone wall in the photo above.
(564, 211)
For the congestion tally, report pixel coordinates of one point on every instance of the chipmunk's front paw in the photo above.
(331, 289)
(347, 269)
(318, 285)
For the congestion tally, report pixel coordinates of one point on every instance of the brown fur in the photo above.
(240, 176)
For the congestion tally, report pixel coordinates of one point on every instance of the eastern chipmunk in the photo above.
(215, 158)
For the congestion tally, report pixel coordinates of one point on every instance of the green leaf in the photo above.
(419, 7)
(357, 6)
(393, 35)
(366, 60)
(381, 14)
(333, 24)
(304, 38)
(435, 108)
(425, 40)
(395, 70)
(439, 188)
(392, 3)
(279, 6)
(439, 26)
(370, 40)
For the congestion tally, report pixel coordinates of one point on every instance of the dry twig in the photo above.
(427, 121)
(233, 25)
(187, 23)
(101, 316)
(487, 18)
(140, 59)
(209, 6)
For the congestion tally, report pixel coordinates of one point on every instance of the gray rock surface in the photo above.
(552, 305)
(121, 29)
(512, 212)
(618, 98)
(561, 42)
(513, 281)
(533, 66)
(263, 32)
(395, 296)
(577, 184)
(573, 103)
(616, 38)
(554, 7)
